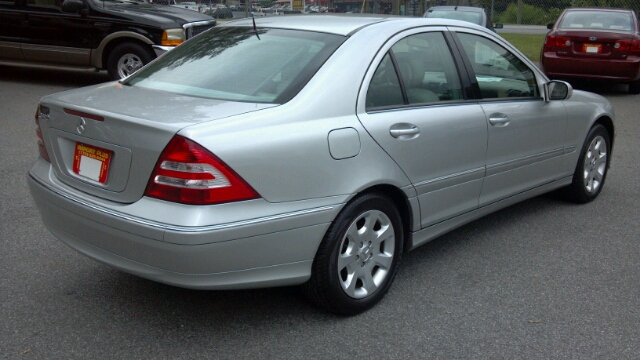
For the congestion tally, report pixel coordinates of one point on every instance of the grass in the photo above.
(528, 44)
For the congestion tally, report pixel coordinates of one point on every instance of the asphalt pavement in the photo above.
(543, 279)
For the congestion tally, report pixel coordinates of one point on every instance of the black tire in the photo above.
(634, 87)
(329, 286)
(127, 58)
(592, 167)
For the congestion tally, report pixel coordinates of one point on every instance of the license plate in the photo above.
(592, 48)
(91, 162)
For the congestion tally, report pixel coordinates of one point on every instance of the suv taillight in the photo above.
(188, 173)
(43, 112)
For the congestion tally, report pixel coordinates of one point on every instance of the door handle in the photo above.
(499, 120)
(404, 131)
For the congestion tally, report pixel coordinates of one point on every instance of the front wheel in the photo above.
(127, 58)
(591, 170)
(358, 257)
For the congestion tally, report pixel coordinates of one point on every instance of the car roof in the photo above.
(339, 24)
(457, 8)
(599, 9)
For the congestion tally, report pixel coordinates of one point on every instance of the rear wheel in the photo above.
(591, 170)
(634, 87)
(127, 58)
(358, 257)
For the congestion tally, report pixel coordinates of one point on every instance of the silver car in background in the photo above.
(309, 150)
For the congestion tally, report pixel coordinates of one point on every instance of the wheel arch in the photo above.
(101, 54)
(607, 122)
(401, 202)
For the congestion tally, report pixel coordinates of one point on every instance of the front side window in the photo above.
(499, 73)
(240, 64)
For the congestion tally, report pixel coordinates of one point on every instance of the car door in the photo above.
(11, 21)
(526, 134)
(58, 37)
(416, 110)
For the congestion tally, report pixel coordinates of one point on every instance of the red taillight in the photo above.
(632, 46)
(188, 173)
(41, 111)
(551, 42)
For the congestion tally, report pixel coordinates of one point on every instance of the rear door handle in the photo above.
(499, 120)
(404, 131)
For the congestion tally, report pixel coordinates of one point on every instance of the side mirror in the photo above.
(497, 26)
(72, 6)
(558, 90)
(549, 26)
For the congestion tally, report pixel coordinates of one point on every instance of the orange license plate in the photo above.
(592, 48)
(91, 162)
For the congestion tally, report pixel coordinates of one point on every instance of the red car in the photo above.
(594, 43)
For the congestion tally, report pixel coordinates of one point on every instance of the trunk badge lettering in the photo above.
(593, 38)
(82, 125)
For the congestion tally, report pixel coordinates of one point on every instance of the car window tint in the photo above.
(384, 89)
(427, 68)
(597, 20)
(499, 73)
(240, 64)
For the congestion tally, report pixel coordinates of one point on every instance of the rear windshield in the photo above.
(240, 64)
(603, 20)
(472, 17)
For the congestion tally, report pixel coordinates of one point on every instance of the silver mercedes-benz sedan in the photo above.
(309, 150)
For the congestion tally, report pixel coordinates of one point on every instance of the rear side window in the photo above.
(419, 69)
(384, 89)
(597, 20)
(240, 64)
(427, 68)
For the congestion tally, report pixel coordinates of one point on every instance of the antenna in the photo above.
(255, 29)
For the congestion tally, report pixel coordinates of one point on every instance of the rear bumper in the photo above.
(263, 252)
(622, 70)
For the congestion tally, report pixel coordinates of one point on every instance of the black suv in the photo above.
(120, 36)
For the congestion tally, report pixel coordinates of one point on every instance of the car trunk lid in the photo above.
(592, 44)
(105, 140)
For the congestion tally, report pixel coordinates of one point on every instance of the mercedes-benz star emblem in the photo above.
(593, 38)
(82, 125)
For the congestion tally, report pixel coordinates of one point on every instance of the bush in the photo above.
(531, 15)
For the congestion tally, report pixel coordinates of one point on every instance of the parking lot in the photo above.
(543, 279)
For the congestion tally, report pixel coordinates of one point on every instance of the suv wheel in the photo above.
(127, 58)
